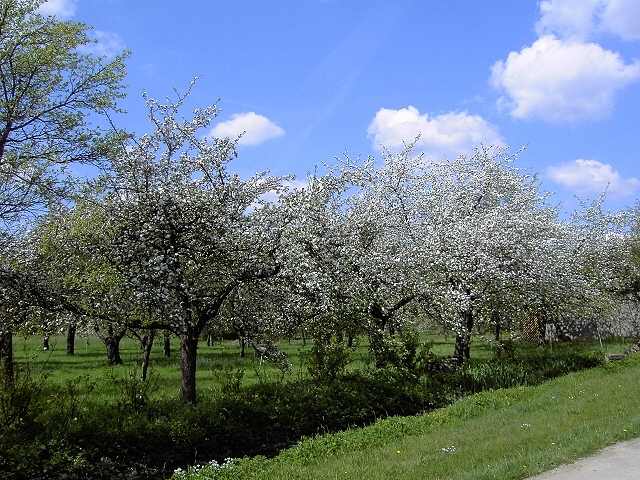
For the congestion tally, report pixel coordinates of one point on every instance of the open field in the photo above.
(89, 361)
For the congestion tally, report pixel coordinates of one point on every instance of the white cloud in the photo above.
(254, 128)
(441, 135)
(580, 19)
(59, 8)
(567, 18)
(105, 44)
(589, 176)
(559, 80)
(622, 18)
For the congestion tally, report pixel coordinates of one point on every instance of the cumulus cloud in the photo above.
(105, 44)
(558, 80)
(622, 18)
(59, 8)
(443, 135)
(567, 18)
(580, 19)
(589, 176)
(254, 128)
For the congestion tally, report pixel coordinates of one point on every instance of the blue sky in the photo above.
(311, 79)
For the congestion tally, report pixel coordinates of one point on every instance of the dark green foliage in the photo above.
(135, 393)
(75, 439)
(505, 349)
(229, 379)
(18, 406)
(535, 368)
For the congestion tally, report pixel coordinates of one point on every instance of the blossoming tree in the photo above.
(185, 231)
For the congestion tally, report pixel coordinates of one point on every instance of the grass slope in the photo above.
(504, 434)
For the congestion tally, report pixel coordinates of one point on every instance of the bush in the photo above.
(135, 393)
(229, 379)
(534, 368)
(328, 361)
(404, 351)
(19, 406)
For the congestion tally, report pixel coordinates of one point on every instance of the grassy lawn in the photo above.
(89, 362)
(504, 434)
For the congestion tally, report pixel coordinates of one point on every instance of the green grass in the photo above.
(504, 434)
(89, 362)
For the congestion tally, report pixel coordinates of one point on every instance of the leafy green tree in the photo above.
(52, 91)
(90, 292)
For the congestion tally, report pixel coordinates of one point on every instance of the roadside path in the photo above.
(617, 462)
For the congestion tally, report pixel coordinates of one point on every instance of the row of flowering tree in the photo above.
(168, 237)
(471, 242)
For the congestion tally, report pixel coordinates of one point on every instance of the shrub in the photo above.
(328, 360)
(530, 370)
(19, 405)
(228, 379)
(135, 393)
(404, 351)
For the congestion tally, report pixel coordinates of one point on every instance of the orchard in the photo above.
(390, 285)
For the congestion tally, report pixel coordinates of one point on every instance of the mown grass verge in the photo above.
(502, 434)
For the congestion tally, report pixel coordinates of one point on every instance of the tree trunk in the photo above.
(376, 346)
(45, 343)
(146, 355)
(304, 339)
(6, 359)
(167, 345)
(542, 331)
(71, 339)
(113, 350)
(242, 345)
(498, 330)
(350, 341)
(462, 350)
(209, 340)
(188, 356)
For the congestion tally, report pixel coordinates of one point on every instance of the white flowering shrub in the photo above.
(207, 471)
